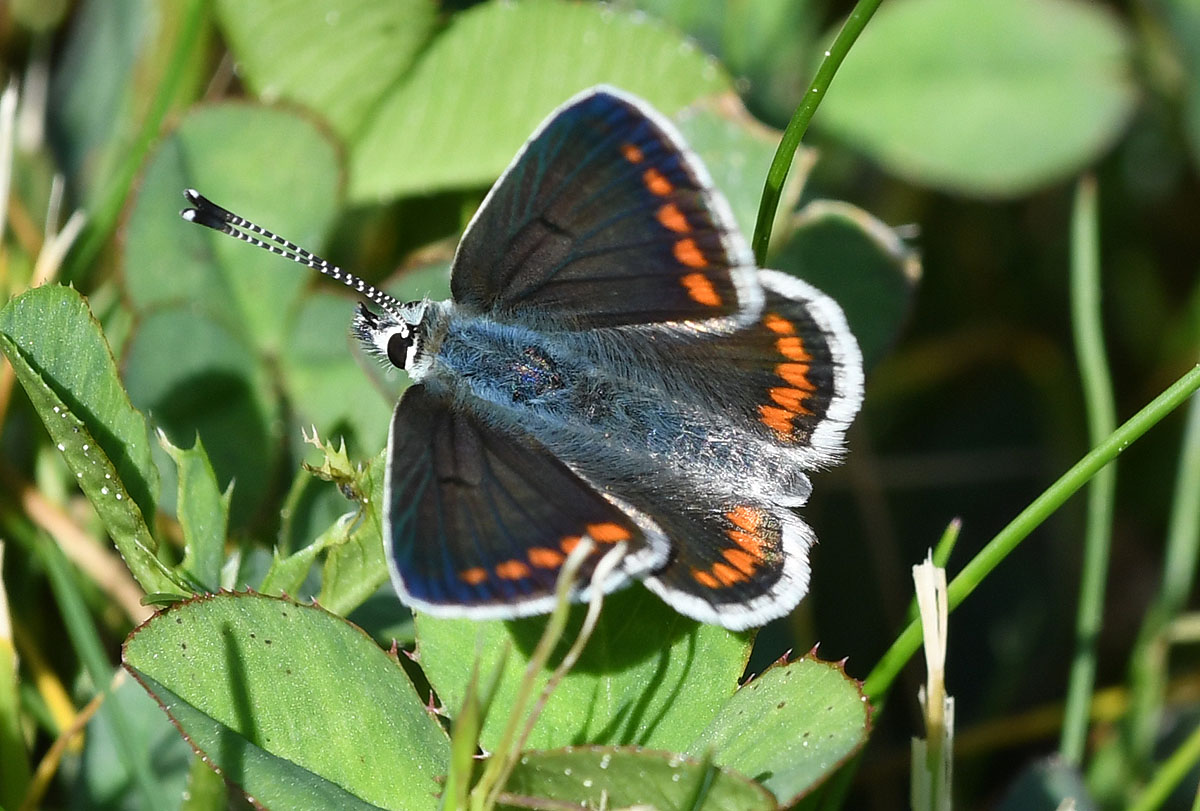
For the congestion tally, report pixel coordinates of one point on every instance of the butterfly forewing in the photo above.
(604, 218)
(479, 522)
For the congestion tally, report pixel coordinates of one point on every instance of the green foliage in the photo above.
(175, 384)
(962, 95)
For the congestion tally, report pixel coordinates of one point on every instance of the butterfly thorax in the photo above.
(517, 370)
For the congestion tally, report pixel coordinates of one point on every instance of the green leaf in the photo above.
(456, 120)
(55, 315)
(626, 777)
(104, 779)
(203, 513)
(648, 676)
(861, 263)
(766, 44)
(355, 568)
(197, 377)
(271, 780)
(269, 165)
(327, 386)
(62, 344)
(793, 725)
(338, 59)
(992, 97)
(288, 700)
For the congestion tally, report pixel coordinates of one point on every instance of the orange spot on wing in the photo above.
(545, 558)
(705, 579)
(742, 561)
(791, 399)
(751, 543)
(727, 574)
(632, 153)
(607, 532)
(512, 570)
(473, 576)
(777, 419)
(687, 252)
(778, 324)
(792, 348)
(796, 374)
(671, 217)
(656, 183)
(745, 517)
(569, 543)
(701, 289)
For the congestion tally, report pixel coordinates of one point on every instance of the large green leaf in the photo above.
(269, 165)
(648, 675)
(288, 699)
(629, 777)
(335, 58)
(990, 97)
(790, 727)
(485, 82)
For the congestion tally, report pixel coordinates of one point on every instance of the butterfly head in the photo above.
(397, 335)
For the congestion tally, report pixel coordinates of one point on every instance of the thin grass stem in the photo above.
(1088, 326)
(906, 644)
(782, 162)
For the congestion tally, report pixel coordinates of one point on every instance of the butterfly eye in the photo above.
(399, 348)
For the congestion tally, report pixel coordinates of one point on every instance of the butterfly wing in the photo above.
(478, 522)
(791, 381)
(744, 563)
(605, 218)
(786, 388)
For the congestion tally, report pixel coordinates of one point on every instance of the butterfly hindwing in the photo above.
(735, 561)
(604, 218)
(791, 380)
(478, 522)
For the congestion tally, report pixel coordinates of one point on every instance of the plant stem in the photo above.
(1170, 775)
(906, 644)
(1101, 418)
(1148, 660)
(796, 128)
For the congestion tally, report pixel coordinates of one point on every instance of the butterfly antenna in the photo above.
(207, 213)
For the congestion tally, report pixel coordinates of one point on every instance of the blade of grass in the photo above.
(1170, 774)
(1148, 659)
(782, 162)
(1088, 326)
(906, 644)
(12, 743)
(104, 217)
(90, 651)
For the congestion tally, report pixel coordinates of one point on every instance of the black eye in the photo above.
(397, 348)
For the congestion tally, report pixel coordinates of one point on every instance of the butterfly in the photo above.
(612, 365)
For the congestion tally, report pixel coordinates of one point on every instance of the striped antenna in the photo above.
(207, 213)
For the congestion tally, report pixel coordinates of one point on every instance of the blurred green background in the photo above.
(932, 198)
